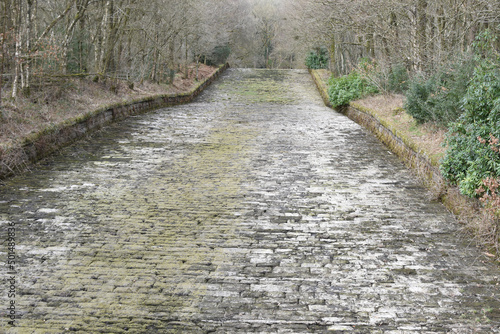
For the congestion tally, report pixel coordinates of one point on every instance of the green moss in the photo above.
(321, 85)
(265, 87)
(10, 162)
(178, 213)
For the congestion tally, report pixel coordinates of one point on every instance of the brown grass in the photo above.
(427, 138)
(54, 101)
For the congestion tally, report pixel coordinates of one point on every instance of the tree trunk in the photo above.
(421, 36)
(432, 47)
(171, 60)
(332, 53)
(6, 11)
(441, 26)
(82, 59)
(370, 44)
(27, 63)
(197, 68)
(107, 39)
(186, 75)
(17, 54)
(154, 70)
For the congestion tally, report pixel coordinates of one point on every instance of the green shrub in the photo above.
(219, 56)
(417, 99)
(472, 153)
(438, 98)
(398, 78)
(317, 59)
(345, 89)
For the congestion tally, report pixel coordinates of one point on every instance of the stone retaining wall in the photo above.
(430, 174)
(426, 169)
(16, 159)
(322, 88)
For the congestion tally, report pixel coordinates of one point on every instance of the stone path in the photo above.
(253, 210)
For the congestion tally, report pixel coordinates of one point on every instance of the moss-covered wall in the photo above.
(322, 88)
(15, 159)
(424, 167)
(429, 173)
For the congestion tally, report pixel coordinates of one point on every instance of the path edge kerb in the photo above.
(17, 158)
(426, 170)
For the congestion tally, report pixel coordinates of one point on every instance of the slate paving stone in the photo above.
(254, 209)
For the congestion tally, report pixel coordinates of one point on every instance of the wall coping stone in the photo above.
(18, 157)
(426, 169)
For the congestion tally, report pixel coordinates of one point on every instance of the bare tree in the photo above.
(150, 40)
(420, 34)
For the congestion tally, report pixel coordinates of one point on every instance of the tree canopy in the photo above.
(150, 40)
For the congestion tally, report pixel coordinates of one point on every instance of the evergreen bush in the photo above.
(472, 153)
(345, 89)
(317, 59)
(397, 80)
(438, 98)
(219, 56)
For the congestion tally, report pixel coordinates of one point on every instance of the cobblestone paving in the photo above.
(253, 210)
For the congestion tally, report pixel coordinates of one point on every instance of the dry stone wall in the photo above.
(426, 169)
(18, 158)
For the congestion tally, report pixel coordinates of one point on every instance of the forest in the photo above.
(134, 39)
(443, 55)
(150, 40)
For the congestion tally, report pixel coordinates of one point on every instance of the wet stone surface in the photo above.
(254, 209)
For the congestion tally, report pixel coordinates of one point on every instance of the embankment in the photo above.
(427, 169)
(19, 156)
